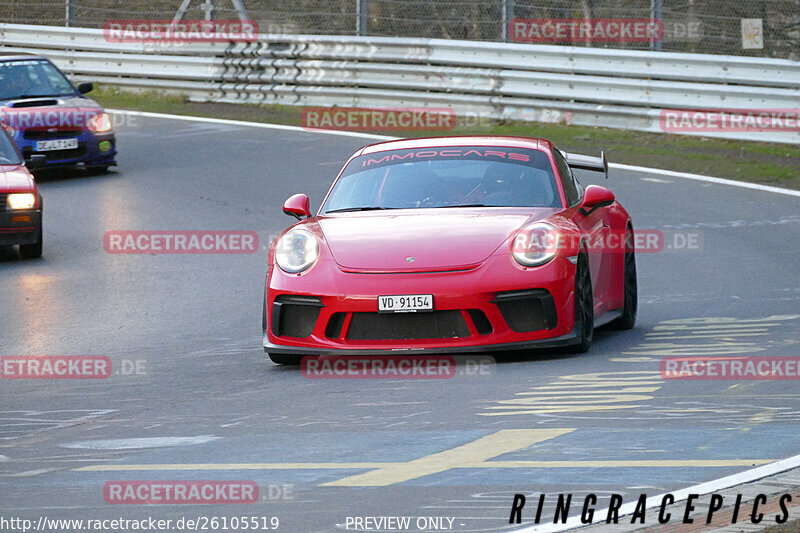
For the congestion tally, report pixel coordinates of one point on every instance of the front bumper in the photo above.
(496, 306)
(20, 226)
(94, 149)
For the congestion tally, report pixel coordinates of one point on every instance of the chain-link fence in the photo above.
(766, 28)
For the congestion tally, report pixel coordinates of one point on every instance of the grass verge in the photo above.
(767, 163)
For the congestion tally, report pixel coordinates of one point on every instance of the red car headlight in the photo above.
(296, 251)
(535, 245)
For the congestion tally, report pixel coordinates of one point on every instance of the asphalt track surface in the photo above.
(208, 395)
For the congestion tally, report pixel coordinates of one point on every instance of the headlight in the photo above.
(24, 200)
(296, 251)
(100, 123)
(535, 245)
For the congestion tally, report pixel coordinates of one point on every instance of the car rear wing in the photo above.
(587, 162)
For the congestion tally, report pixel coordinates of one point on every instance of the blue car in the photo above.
(47, 115)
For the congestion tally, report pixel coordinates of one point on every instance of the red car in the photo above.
(451, 245)
(20, 201)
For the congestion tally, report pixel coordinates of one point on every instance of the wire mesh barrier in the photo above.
(764, 28)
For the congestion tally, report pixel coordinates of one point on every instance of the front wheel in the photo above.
(584, 306)
(96, 170)
(631, 297)
(32, 251)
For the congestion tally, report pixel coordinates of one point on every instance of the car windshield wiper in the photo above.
(465, 205)
(363, 208)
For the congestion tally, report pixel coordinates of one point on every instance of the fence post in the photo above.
(70, 13)
(361, 17)
(507, 15)
(655, 14)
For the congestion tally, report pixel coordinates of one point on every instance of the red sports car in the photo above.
(20, 201)
(451, 245)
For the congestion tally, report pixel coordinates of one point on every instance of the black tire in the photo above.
(631, 297)
(584, 306)
(283, 359)
(32, 251)
(97, 169)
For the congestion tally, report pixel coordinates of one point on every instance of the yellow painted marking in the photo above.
(473, 453)
(556, 408)
(719, 325)
(580, 400)
(580, 393)
(762, 417)
(597, 390)
(688, 410)
(229, 466)
(689, 350)
(653, 463)
(721, 336)
(603, 377)
(568, 386)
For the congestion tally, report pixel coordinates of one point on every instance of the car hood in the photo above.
(15, 178)
(71, 102)
(437, 241)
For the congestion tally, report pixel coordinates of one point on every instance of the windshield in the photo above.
(32, 78)
(8, 152)
(463, 176)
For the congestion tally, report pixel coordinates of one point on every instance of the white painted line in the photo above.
(708, 487)
(265, 125)
(262, 125)
(709, 179)
(139, 443)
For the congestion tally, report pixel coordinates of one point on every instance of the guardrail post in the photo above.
(361, 17)
(69, 16)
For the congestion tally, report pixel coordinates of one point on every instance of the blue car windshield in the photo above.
(8, 152)
(440, 177)
(32, 78)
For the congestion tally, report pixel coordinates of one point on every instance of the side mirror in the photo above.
(596, 196)
(36, 161)
(86, 87)
(298, 206)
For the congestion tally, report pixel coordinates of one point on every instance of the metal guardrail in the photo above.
(587, 86)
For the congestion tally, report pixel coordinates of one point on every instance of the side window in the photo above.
(571, 188)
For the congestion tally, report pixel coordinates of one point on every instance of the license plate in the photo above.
(405, 303)
(56, 144)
